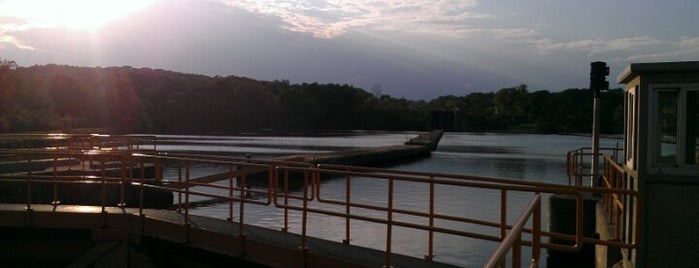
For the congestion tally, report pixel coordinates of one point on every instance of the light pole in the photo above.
(598, 74)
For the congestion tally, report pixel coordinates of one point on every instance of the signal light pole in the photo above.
(598, 75)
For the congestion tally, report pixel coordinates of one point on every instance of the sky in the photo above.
(419, 49)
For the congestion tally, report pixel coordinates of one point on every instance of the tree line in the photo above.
(127, 100)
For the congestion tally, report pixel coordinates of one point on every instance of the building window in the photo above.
(676, 128)
(692, 129)
(666, 133)
(631, 127)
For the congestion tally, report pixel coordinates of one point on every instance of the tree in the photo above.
(376, 90)
(479, 112)
(510, 104)
(573, 110)
(53, 97)
(539, 111)
(7, 67)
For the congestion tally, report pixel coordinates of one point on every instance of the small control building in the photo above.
(661, 163)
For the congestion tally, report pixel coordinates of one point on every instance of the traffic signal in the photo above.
(598, 76)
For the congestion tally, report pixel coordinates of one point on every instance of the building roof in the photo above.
(634, 69)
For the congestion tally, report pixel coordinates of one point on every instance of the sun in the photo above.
(87, 15)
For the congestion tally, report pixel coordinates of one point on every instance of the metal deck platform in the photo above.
(223, 239)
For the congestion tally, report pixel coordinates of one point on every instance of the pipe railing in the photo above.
(513, 240)
(579, 163)
(282, 197)
(280, 176)
(79, 142)
(390, 212)
(613, 178)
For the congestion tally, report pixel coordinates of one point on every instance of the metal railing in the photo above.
(113, 142)
(579, 163)
(79, 142)
(513, 240)
(293, 186)
(618, 207)
(613, 178)
(89, 168)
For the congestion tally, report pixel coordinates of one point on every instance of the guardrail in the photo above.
(618, 206)
(79, 142)
(579, 163)
(613, 178)
(280, 176)
(513, 240)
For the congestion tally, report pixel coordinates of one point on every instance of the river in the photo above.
(527, 157)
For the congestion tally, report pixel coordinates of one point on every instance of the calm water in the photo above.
(527, 157)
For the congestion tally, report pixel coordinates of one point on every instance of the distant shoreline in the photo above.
(324, 132)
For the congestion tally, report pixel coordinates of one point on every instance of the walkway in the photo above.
(222, 239)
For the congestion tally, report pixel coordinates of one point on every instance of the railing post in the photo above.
(579, 203)
(179, 182)
(243, 194)
(55, 201)
(29, 185)
(186, 194)
(304, 212)
(517, 252)
(347, 209)
(271, 185)
(122, 182)
(286, 201)
(580, 161)
(140, 193)
(389, 225)
(158, 171)
(536, 232)
(241, 218)
(569, 169)
(503, 214)
(430, 250)
(104, 184)
(503, 219)
(231, 190)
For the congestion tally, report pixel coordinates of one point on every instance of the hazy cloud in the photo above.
(595, 46)
(330, 18)
(8, 39)
(683, 49)
(415, 49)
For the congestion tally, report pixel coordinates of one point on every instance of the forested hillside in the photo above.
(126, 99)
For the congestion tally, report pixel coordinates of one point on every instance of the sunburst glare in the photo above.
(87, 15)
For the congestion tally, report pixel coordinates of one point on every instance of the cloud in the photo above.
(8, 39)
(686, 48)
(596, 46)
(331, 18)
(14, 24)
(10, 26)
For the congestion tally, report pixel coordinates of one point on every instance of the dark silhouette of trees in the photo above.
(537, 105)
(6, 91)
(126, 99)
(388, 113)
(479, 113)
(510, 105)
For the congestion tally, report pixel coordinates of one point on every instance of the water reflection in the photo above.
(478, 149)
